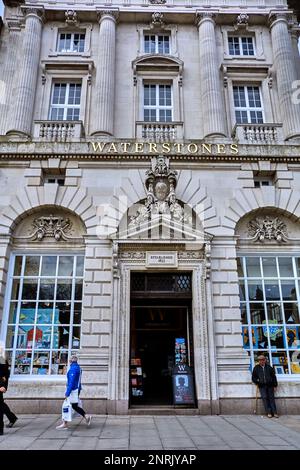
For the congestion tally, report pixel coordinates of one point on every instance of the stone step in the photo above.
(162, 410)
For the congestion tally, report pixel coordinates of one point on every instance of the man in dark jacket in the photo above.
(264, 376)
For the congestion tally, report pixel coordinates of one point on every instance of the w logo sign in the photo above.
(181, 367)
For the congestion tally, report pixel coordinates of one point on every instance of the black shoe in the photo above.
(10, 425)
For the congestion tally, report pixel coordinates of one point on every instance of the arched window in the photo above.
(43, 306)
(269, 281)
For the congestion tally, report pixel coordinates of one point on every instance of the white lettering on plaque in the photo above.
(162, 259)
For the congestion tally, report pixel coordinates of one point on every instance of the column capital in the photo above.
(202, 16)
(14, 24)
(279, 16)
(38, 12)
(111, 14)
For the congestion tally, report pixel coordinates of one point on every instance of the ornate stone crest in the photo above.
(157, 20)
(161, 199)
(267, 228)
(58, 228)
(71, 18)
(242, 21)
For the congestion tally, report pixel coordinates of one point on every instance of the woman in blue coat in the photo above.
(73, 391)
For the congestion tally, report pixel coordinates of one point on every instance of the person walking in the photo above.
(73, 391)
(5, 374)
(264, 376)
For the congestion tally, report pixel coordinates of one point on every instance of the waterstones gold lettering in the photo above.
(189, 148)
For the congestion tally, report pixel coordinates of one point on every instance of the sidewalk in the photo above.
(243, 432)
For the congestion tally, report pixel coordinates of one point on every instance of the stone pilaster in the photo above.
(104, 99)
(295, 32)
(9, 71)
(21, 114)
(286, 73)
(210, 86)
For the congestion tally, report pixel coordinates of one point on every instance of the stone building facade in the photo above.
(149, 200)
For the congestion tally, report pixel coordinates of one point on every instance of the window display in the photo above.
(42, 311)
(270, 296)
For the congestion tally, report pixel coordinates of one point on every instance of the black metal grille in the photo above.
(161, 282)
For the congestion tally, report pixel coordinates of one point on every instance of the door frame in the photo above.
(129, 257)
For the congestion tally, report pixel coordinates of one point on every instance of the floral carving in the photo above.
(267, 228)
(55, 227)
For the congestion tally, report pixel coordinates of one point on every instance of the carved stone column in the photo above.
(212, 102)
(285, 67)
(9, 71)
(20, 121)
(295, 32)
(105, 74)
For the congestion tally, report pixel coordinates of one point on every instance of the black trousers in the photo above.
(267, 395)
(78, 409)
(8, 413)
(1, 412)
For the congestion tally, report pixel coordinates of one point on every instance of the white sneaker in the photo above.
(62, 426)
(88, 420)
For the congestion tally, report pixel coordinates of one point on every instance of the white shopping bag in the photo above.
(66, 411)
(74, 396)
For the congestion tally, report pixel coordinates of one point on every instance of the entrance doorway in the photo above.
(161, 334)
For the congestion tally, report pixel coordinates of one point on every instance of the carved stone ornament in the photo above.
(267, 228)
(71, 18)
(58, 228)
(157, 2)
(161, 199)
(157, 20)
(242, 20)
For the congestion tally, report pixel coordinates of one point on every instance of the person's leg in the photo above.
(82, 413)
(78, 409)
(270, 391)
(264, 396)
(1, 414)
(9, 414)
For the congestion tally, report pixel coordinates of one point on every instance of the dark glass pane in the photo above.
(291, 312)
(61, 337)
(78, 290)
(295, 361)
(242, 290)
(274, 312)
(64, 289)
(272, 290)
(257, 313)
(255, 290)
(288, 290)
(259, 339)
(240, 267)
(32, 264)
(29, 291)
(77, 313)
(18, 265)
(47, 289)
(277, 339)
(62, 312)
